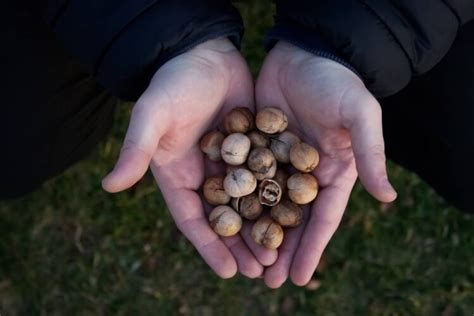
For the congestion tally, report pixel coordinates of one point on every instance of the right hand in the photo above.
(187, 97)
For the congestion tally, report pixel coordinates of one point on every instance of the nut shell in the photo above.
(281, 145)
(302, 188)
(287, 214)
(213, 191)
(225, 221)
(235, 149)
(239, 120)
(248, 206)
(281, 176)
(240, 182)
(267, 233)
(262, 162)
(269, 192)
(304, 157)
(211, 143)
(271, 120)
(257, 139)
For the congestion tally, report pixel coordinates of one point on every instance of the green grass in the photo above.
(70, 248)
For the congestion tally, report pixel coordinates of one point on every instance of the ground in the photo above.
(72, 249)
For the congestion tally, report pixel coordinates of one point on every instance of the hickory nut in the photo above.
(287, 214)
(262, 162)
(267, 233)
(257, 139)
(213, 190)
(281, 176)
(271, 120)
(239, 120)
(302, 188)
(235, 149)
(240, 182)
(248, 206)
(211, 144)
(269, 192)
(304, 157)
(282, 144)
(225, 221)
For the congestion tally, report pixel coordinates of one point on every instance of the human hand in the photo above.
(186, 97)
(330, 108)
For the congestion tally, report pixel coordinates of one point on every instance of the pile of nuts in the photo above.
(259, 162)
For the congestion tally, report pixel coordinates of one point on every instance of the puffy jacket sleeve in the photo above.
(123, 42)
(386, 42)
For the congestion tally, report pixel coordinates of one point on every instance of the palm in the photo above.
(319, 97)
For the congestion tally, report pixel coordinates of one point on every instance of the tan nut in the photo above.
(211, 144)
(267, 233)
(235, 149)
(213, 191)
(271, 120)
(269, 192)
(262, 162)
(304, 157)
(281, 176)
(258, 139)
(248, 206)
(281, 145)
(225, 221)
(239, 120)
(240, 182)
(302, 188)
(287, 214)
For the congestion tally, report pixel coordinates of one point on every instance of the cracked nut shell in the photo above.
(262, 162)
(269, 192)
(240, 182)
(281, 145)
(213, 191)
(271, 120)
(304, 157)
(248, 206)
(211, 143)
(239, 120)
(225, 221)
(302, 188)
(287, 214)
(267, 233)
(235, 149)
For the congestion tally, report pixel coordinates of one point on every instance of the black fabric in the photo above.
(388, 42)
(123, 42)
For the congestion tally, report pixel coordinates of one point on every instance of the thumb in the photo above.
(364, 122)
(147, 126)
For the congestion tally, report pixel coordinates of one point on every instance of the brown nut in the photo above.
(304, 157)
(271, 120)
(281, 176)
(257, 139)
(248, 206)
(225, 221)
(262, 162)
(281, 145)
(269, 192)
(302, 188)
(267, 233)
(211, 144)
(239, 120)
(240, 182)
(287, 214)
(235, 149)
(213, 190)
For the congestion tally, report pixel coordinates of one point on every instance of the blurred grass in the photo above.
(69, 248)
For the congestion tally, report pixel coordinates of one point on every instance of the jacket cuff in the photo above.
(306, 40)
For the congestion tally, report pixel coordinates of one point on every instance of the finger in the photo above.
(325, 217)
(141, 141)
(368, 145)
(277, 274)
(246, 262)
(265, 256)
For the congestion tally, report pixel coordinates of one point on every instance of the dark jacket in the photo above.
(386, 41)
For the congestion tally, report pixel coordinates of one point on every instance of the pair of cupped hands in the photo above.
(327, 105)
